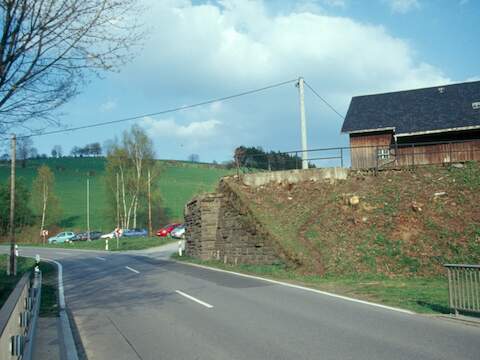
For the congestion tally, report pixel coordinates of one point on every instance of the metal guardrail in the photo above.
(18, 319)
(464, 287)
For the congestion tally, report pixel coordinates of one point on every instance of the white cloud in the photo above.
(403, 6)
(109, 105)
(197, 52)
(170, 128)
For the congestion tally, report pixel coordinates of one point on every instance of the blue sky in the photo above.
(200, 50)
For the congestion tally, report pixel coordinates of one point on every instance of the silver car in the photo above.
(178, 232)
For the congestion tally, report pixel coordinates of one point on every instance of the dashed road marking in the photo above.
(135, 271)
(100, 258)
(207, 305)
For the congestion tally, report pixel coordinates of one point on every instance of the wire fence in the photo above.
(371, 157)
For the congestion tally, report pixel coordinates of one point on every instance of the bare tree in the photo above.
(194, 158)
(48, 47)
(24, 149)
(44, 199)
(130, 159)
(57, 151)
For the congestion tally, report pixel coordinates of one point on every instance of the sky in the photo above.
(199, 50)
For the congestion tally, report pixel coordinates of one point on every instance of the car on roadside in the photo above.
(62, 237)
(110, 235)
(135, 232)
(178, 232)
(83, 236)
(167, 229)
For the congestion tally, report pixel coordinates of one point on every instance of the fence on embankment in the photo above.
(464, 287)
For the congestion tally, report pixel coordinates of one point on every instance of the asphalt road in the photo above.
(128, 306)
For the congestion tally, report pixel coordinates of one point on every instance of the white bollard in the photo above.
(16, 250)
(180, 248)
(106, 244)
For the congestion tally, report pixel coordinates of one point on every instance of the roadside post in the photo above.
(117, 233)
(37, 262)
(16, 250)
(106, 244)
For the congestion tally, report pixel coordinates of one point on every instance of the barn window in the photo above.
(383, 154)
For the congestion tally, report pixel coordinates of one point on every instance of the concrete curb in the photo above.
(391, 308)
(68, 341)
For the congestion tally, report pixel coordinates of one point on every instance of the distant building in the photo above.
(415, 127)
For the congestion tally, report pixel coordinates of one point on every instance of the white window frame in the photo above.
(383, 154)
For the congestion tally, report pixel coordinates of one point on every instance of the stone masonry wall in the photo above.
(219, 227)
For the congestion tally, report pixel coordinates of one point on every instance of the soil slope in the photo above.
(405, 222)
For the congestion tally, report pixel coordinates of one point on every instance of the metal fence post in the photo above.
(341, 157)
(413, 156)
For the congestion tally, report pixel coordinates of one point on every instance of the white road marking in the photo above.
(135, 271)
(100, 258)
(68, 341)
(207, 305)
(305, 289)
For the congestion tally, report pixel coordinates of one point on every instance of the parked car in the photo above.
(178, 232)
(110, 235)
(62, 237)
(94, 235)
(135, 232)
(167, 229)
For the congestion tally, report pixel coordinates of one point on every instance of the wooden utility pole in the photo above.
(88, 208)
(149, 206)
(303, 123)
(118, 203)
(13, 260)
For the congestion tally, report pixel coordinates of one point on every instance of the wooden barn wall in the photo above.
(438, 153)
(363, 148)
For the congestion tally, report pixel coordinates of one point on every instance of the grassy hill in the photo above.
(178, 182)
(405, 223)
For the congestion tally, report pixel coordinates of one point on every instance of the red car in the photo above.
(167, 229)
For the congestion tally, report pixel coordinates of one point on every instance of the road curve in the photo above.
(142, 306)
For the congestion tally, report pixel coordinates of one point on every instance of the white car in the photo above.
(178, 232)
(110, 235)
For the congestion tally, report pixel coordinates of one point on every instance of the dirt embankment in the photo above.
(396, 223)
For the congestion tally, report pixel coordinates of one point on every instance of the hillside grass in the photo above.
(178, 183)
(399, 228)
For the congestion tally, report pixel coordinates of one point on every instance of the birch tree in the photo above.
(44, 199)
(130, 158)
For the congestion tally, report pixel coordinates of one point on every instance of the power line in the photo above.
(136, 117)
(325, 101)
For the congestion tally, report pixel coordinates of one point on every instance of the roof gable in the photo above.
(412, 111)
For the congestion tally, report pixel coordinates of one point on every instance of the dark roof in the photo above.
(411, 111)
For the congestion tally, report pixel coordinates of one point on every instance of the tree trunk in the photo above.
(44, 210)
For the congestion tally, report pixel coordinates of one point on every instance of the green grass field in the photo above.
(178, 183)
(127, 243)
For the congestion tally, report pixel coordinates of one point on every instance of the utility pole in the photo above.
(118, 203)
(149, 206)
(303, 123)
(88, 208)
(13, 259)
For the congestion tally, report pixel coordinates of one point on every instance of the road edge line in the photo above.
(277, 282)
(68, 342)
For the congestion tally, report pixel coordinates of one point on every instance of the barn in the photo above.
(432, 125)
